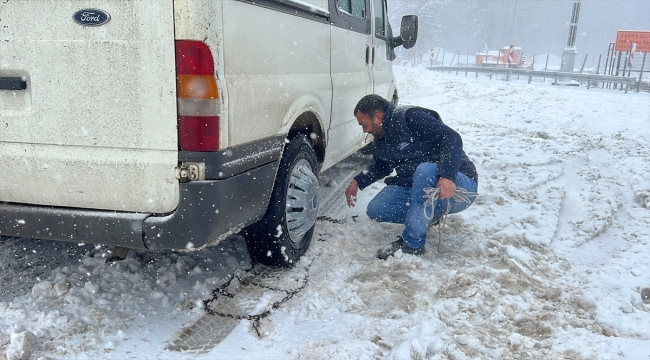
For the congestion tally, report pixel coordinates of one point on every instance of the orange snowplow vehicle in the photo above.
(507, 56)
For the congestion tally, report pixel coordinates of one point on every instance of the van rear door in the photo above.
(88, 110)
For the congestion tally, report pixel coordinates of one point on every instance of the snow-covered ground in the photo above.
(552, 261)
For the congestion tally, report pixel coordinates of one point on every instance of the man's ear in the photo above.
(378, 118)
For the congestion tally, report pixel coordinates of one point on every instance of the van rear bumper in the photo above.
(209, 209)
(206, 210)
(56, 223)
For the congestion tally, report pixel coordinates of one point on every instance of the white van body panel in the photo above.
(276, 66)
(351, 80)
(89, 121)
(96, 126)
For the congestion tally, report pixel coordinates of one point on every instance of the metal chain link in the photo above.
(221, 291)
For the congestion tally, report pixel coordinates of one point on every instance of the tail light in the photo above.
(198, 97)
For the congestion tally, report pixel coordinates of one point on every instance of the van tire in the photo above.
(278, 239)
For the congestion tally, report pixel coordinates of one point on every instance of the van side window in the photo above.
(309, 9)
(380, 24)
(356, 8)
(351, 15)
(316, 3)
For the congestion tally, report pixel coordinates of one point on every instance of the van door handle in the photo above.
(12, 83)
(373, 55)
(367, 54)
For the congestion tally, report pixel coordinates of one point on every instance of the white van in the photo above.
(171, 124)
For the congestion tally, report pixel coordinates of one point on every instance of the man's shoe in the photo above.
(390, 250)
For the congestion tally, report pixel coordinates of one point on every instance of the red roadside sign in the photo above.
(625, 39)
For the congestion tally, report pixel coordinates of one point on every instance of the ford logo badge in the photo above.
(91, 17)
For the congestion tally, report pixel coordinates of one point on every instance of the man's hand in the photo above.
(447, 188)
(351, 193)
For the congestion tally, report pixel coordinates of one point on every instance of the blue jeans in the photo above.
(403, 205)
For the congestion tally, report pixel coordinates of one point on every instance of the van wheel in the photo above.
(283, 235)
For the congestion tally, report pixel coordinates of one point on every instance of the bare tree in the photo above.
(429, 13)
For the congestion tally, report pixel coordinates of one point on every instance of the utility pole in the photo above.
(512, 25)
(570, 51)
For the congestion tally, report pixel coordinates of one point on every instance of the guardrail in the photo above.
(622, 80)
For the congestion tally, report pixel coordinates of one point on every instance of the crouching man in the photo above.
(433, 177)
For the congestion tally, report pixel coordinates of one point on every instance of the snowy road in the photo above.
(551, 261)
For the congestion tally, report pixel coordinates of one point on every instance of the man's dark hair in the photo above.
(371, 104)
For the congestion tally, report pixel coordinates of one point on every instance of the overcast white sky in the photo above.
(539, 27)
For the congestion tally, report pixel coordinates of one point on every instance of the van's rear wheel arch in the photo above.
(307, 124)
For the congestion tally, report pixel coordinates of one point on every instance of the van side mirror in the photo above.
(408, 34)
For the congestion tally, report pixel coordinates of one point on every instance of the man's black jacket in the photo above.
(415, 135)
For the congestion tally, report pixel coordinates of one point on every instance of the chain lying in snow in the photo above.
(327, 218)
(221, 292)
(234, 300)
(432, 194)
